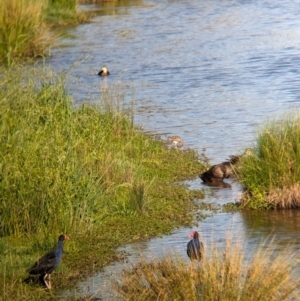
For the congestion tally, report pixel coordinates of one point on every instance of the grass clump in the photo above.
(85, 171)
(23, 26)
(271, 174)
(225, 276)
(22, 30)
(60, 12)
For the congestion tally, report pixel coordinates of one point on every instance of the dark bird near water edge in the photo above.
(49, 262)
(220, 171)
(195, 247)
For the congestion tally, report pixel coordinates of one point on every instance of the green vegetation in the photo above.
(22, 30)
(23, 26)
(84, 171)
(271, 174)
(225, 276)
(61, 12)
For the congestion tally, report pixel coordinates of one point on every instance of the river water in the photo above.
(209, 71)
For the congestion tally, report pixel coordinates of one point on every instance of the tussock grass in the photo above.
(22, 30)
(23, 26)
(226, 276)
(271, 174)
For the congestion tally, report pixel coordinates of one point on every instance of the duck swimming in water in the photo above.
(104, 71)
(218, 172)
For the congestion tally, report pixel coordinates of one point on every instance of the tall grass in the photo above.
(63, 12)
(226, 276)
(271, 174)
(43, 180)
(54, 169)
(22, 31)
(23, 26)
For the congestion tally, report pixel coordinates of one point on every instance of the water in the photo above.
(209, 71)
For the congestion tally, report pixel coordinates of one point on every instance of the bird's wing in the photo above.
(216, 171)
(192, 249)
(44, 264)
(189, 247)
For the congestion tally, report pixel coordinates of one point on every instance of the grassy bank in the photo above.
(222, 275)
(271, 174)
(84, 171)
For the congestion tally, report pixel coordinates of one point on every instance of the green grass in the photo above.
(22, 30)
(271, 174)
(222, 275)
(85, 171)
(62, 12)
(24, 27)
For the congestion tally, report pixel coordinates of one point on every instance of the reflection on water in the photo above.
(208, 71)
(219, 184)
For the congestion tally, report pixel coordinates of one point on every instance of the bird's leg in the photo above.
(48, 285)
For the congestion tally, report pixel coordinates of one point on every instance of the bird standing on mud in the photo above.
(195, 248)
(49, 262)
(104, 71)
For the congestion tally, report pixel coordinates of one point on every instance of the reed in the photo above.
(22, 30)
(222, 275)
(271, 174)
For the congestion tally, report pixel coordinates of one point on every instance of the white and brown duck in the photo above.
(103, 71)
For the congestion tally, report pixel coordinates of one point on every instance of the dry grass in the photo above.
(222, 275)
(284, 198)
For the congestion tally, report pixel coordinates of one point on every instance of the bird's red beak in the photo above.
(66, 237)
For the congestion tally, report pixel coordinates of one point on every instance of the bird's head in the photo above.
(193, 234)
(104, 71)
(63, 237)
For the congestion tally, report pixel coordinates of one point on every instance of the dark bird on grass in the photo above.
(104, 71)
(49, 262)
(218, 172)
(195, 248)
